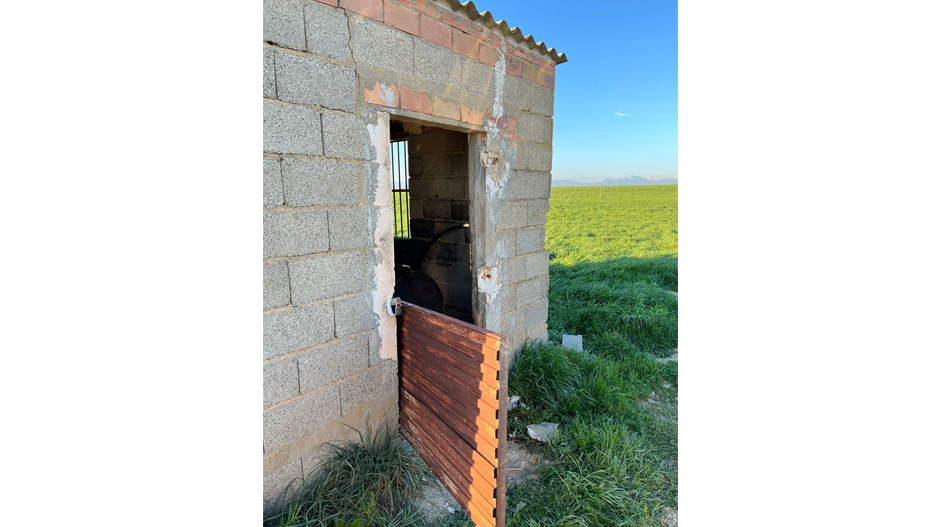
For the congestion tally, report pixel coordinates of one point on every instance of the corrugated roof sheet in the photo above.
(471, 11)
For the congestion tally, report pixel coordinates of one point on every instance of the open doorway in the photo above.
(431, 195)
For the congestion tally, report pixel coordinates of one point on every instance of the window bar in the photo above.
(398, 194)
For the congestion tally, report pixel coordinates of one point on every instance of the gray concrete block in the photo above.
(512, 322)
(538, 332)
(436, 64)
(573, 341)
(512, 215)
(437, 209)
(270, 89)
(280, 381)
(536, 265)
(289, 422)
(541, 99)
(284, 23)
(531, 291)
(320, 182)
(534, 157)
(377, 383)
(477, 79)
(333, 362)
(292, 130)
(349, 229)
(277, 483)
(529, 185)
(530, 240)
(295, 233)
(312, 82)
(297, 328)
(273, 190)
(345, 136)
(381, 46)
(516, 93)
(536, 212)
(506, 245)
(514, 270)
(327, 31)
(354, 314)
(533, 127)
(326, 276)
(276, 285)
(536, 313)
(507, 298)
(375, 348)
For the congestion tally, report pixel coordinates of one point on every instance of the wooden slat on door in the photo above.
(453, 407)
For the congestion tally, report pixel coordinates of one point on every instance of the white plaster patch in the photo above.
(384, 239)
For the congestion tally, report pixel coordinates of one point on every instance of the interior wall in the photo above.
(440, 199)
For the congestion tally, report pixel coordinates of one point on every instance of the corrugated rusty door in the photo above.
(452, 401)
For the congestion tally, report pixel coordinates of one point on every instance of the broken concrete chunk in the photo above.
(572, 341)
(514, 402)
(542, 431)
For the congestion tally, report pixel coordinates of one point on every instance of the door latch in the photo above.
(393, 306)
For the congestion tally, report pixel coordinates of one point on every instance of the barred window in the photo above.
(400, 188)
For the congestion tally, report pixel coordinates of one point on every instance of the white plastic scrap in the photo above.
(514, 402)
(542, 431)
(573, 342)
(450, 509)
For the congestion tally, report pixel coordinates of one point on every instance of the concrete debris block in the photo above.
(573, 342)
(515, 402)
(542, 431)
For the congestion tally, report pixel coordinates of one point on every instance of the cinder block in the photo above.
(280, 381)
(536, 265)
(434, 166)
(295, 233)
(460, 210)
(506, 245)
(531, 291)
(507, 298)
(345, 136)
(459, 163)
(276, 285)
(534, 157)
(273, 190)
(377, 383)
(309, 81)
(284, 23)
(512, 322)
(535, 128)
(530, 240)
(349, 229)
(289, 422)
(514, 270)
(292, 130)
(536, 211)
(512, 215)
(375, 348)
(477, 79)
(437, 209)
(529, 185)
(354, 314)
(333, 362)
(326, 276)
(327, 31)
(277, 483)
(541, 100)
(320, 182)
(435, 64)
(536, 313)
(270, 89)
(538, 332)
(381, 46)
(297, 328)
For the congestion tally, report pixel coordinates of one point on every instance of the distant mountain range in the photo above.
(627, 180)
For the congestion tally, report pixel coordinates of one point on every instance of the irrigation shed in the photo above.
(407, 154)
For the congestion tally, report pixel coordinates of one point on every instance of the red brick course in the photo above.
(435, 31)
(466, 45)
(471, 115)
(514, 65)
(488, 55)
(415, 101)
(384, 94)
(444, 108)
(402, 18)
(369, 8)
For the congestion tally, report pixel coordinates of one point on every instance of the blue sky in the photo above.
(622, 59)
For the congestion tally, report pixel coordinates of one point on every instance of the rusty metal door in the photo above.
(452, 400)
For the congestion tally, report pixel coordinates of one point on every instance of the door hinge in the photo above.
(489, 159)
(393, 306)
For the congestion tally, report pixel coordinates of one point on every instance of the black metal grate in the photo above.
(400, 188)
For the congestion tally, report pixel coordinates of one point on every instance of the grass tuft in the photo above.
(374, 480)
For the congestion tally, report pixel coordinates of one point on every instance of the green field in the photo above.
(614, 261)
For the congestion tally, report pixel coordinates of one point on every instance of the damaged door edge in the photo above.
(383, 237)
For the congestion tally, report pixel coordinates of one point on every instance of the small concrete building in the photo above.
(404, 141)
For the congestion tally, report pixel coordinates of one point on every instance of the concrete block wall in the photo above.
(333, 70)
(440, 197)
